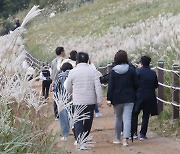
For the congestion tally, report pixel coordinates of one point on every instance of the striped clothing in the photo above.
(58, 85)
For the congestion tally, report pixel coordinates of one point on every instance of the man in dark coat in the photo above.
(146, 96)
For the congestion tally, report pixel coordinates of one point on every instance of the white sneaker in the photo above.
(64, 139)
(124, 142)
(75, 143)
(83, 148)
(135, 136)
(97, 115)
(56, 119)
(116, 141)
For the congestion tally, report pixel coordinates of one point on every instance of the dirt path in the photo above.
(103, 133)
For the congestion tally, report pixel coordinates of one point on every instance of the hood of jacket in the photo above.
(121, 69)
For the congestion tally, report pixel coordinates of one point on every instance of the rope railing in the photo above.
(167, 70)
(33, 58)
(102, 67)
(174, 87)
(166, 102)
(168, 86)
(33, 61)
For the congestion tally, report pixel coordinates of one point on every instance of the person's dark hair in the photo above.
(59, 50)
(66, 66)
(73, 55)
(121, 57)
(145, 60)
(82, 57)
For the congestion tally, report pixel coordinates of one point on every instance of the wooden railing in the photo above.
(175, 87)
(32, 61)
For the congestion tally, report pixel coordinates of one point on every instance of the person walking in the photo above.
(72, 58)
(98, 114)
(55, 68)
(45, 76)
(146, 97)
(30, 73)
(58, 87)
(84, 84)
(57, 62)
(121, 94)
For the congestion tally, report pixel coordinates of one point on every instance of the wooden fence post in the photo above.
(109, 68)
(151, 65)
(103, 70)
(160, 88)
(175, 92)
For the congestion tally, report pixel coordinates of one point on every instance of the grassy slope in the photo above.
(94, 18)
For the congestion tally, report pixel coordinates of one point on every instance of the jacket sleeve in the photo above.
(135, 80)
(110, 87)
(156, 82)
(68, 84)
(41, 76)
(98, 88)
(56, 83)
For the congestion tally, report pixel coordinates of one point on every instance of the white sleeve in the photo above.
(68, 84)
(98, 88)
(50, 70)
(41, 76)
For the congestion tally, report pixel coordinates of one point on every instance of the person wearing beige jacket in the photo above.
(84, 84)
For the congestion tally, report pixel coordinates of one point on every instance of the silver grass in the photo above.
(62, 99)
(84, 141)
(76, 114)
(4, 122)
(35, 100)
(35, 11)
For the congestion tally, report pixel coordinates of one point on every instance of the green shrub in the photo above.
(6, 27)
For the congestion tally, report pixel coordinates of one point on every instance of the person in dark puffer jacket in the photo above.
(146, 96)
(122, 94)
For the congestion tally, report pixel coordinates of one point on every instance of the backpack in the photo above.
(46, 74)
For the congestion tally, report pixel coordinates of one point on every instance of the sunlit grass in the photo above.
(90, 20)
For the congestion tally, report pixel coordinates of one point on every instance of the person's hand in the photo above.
(109, 103)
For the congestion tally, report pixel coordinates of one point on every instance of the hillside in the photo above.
(103, 27)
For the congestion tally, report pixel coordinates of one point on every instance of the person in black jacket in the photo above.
(121, 94)
(146, 97)
(45, 76)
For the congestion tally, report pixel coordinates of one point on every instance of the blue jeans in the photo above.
(64, 123)
(123, 114)
(96, 109)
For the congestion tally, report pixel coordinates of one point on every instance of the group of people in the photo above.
(130, 90)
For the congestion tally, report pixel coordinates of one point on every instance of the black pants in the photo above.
(84, 125)
(145, 120)
(45, 88)
(56, 110)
